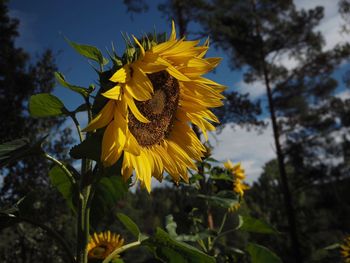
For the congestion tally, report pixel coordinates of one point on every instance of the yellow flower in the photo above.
(345, 249)
(238, 176)
(103, 244)
(151, 107)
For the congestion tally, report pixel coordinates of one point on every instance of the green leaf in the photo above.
(9, 147)
(62, 81)
(129, 224)
(168, 249)
(251, 224)
(261, 254)
(210, 159)
(89, 52)
(18, 149)
(46, 105)
(171, 255)
(109, 190)
(63, 184)
(224, 199)
(90, 148)
(222, 176)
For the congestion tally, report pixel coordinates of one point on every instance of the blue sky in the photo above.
(43, 24)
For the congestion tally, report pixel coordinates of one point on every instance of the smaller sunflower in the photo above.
(103, 244)
(234, 207)
(345, 249)
(238, 176)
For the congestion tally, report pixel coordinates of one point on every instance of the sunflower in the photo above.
(155, 99)
(103, 244)
(345, 249)
(238, 176)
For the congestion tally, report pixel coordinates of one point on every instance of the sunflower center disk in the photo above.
(159, 110)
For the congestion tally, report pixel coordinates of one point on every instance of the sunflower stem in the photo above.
(77, 125)
(120, 250)
(62, 166)
(83, 222)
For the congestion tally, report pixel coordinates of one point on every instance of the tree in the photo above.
(19, 79)
(268, 32)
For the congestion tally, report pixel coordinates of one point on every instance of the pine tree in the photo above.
(20, 78)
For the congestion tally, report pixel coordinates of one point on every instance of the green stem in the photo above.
(225, 233)
(83, 222)
(223, 221)
(120, 250)
(62, 166)
(77, 125)
(53, 234)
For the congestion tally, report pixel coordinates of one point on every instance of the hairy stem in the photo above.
(62, 166)
(77, 125)
(83, 222)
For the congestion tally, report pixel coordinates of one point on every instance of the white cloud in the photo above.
(330, 28)
(345, 94)
(255, 90)
(330, 25)
(250, 148)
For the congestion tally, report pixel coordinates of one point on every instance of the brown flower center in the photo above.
(159, 110)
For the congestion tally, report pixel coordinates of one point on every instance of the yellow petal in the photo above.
(177, 74)
(142, 169)
(228, 165)
(102, 118)
(140, 46)
(142, 83)
(113, 93)
(126, 167)
(163, 46)
(135, 111)
(122, 75)
(108, 141)
(113, 140)
(131, 145)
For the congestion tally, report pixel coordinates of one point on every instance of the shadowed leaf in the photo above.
(62, 81)
(46, 105)
(260, 254)
(87, 51)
